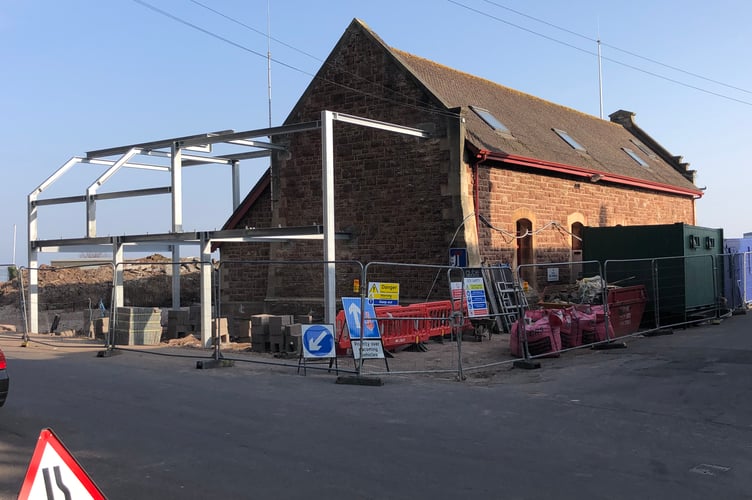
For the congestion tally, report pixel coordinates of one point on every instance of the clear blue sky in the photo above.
(89, 74)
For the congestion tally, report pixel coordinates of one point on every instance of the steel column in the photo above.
(327, 185)
(176, 276)
(235, 185)
(206, 291)
(117, 261)
(177, 188)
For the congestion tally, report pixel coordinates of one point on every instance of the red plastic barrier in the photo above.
(440, 322)
(403, 325)
(400, 325)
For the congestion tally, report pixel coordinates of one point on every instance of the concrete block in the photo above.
(220, 327)
(305, 319)
(240, 328)
(277, 324)
(260, 323)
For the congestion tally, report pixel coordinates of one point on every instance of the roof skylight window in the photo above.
(643, 148)
(568, 139)
(634, 156)
(490, 119)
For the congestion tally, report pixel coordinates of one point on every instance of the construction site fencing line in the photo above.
(354, 272)
(24, 276)
(658, 276)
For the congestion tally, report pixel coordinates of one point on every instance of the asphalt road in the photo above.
(668, 417)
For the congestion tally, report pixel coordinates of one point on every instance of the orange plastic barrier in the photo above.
(404, 325)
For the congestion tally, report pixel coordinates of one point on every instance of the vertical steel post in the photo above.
(177, 188)
(656, 299)
(235, 184)
(176, 276)
(327, 184)
(118, 261)
(206, 291)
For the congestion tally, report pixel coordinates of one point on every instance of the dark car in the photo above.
(4, 380)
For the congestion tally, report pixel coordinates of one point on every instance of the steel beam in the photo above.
(103, 196)
(91, 207)
(196, 140)
(263, 132)
(389, 127)
(142, 166)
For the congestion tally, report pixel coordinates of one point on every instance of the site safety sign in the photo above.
(353, 315)
(54, 473)
(318, 341)
(383, 294)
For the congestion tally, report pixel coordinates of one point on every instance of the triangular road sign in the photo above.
(54, 473)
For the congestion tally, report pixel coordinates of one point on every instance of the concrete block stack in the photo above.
(240, 330)
(137, 326)
(96, 327)
(277, 326)
(260, 340)
(178, 323)
(293, 338)
(195, 318)
(221, 330)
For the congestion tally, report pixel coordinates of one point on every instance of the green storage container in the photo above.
(687, 285)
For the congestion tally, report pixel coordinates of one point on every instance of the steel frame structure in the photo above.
(183, 152)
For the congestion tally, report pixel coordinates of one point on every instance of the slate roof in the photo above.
(530, 121)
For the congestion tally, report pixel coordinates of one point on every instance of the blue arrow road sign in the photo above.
(353, 317)
(318, 341)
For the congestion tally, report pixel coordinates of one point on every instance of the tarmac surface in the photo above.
(667, 417)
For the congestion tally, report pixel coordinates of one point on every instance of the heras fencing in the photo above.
(11, 315)
(68, 300)
(678, 290)
(388, 318)
(602, 304)
(156, 300)
(737, 279)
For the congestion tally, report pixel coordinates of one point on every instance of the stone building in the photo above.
(508, 176)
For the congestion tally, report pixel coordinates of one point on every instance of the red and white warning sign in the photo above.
(53, 473)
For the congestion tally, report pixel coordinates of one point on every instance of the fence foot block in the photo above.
(526, 364)
(610, 345)
(206, 364)
(355, 380)
(107, 353)
(656, 333)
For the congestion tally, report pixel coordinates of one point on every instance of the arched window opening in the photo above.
(525, 248)
(576, 231)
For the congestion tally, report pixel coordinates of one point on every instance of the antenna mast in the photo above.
(600, 72)
(269, 59)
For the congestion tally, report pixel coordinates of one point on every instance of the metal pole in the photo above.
(600, 76)
(269, 59)
(327, 158)
(14, 245)
(656, 300)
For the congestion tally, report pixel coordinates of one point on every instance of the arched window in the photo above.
(525, 247)
(576, 230)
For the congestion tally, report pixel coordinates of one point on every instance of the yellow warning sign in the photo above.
(383, 293)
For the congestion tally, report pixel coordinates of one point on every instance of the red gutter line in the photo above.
(581, 172)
